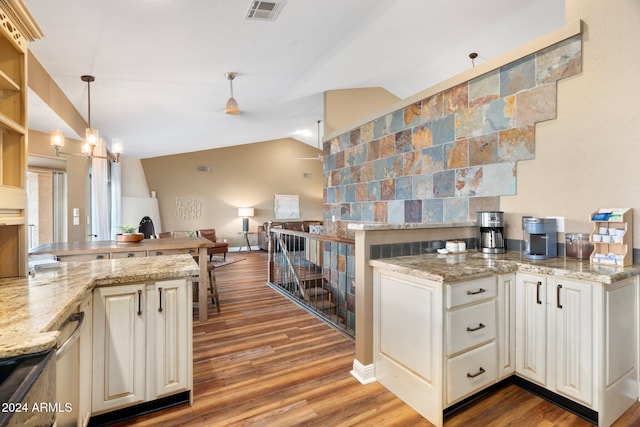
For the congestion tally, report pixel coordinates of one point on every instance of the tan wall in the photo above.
(241, 176)
(77, 171)
(345, 106)
(588, 157)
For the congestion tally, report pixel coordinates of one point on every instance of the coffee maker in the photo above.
(540, 238)
(491, 232)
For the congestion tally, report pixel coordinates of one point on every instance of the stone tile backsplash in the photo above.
(449, 155)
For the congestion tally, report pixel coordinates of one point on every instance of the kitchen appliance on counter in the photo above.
(540, 238)
(577, 245)
(491, 232)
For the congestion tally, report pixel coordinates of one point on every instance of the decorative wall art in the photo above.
(188, 208)
(286, 206)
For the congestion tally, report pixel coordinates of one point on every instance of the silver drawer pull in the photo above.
(479, 291)
(480, 326)
(480, 372)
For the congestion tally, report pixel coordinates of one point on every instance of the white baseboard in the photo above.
(365, 374)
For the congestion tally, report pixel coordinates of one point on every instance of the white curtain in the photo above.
(100, 212)
(116, 199)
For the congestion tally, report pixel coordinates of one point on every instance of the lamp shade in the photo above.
(245, 212)
(232, 107)
(57, 138)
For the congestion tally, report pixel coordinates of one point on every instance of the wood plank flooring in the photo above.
(263, 361)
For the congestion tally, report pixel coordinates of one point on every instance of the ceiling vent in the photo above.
(264, 10)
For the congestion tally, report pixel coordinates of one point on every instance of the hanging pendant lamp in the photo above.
(91, 135)
(232, 104)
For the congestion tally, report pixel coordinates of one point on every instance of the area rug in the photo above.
(219, 261)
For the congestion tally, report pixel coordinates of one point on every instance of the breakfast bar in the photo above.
(110, 249)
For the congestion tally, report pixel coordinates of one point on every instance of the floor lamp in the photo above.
(245, 213)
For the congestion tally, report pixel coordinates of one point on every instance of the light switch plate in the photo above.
(76, 220)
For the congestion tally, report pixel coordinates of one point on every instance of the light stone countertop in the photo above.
(457, 267)
(407, 226)
(32, 309)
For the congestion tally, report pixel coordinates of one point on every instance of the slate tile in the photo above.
(412, 163)
(432, 159)
(536, 105)
(421, 186)
(403, 142)
(444, 183)
(421, 137)
(412, 115)
(484, 89)
(433, 108)
(483, 149)
(395, 211)
(499, 114)
(456, 99)
(559, 61)
(354, 137)
(516, 144)
(403, 188)
(412, 211)
(517, 76)
(366, 132)
(380, 212)
(456, 154)
(388, 189)
(433, 210)
(443, 130)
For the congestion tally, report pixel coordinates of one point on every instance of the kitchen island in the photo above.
(447, 327)
(110, 249)
(134, 323)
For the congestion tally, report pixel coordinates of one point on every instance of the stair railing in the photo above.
(315, 271)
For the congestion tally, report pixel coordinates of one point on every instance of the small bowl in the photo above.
(443, 251)
(597, 238)
(606, 238)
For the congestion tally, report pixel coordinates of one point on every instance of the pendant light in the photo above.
(91, 135)
(232, 105)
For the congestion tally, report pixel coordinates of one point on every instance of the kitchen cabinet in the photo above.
(555, 331)
(506, 322)
(436, 344)
(119, 346)
(171, 331)
(142, 343)
(13, 148)
(531, 327)
(578, 339)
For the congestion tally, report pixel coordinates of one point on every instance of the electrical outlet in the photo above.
(559, 223)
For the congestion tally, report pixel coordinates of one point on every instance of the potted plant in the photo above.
(129, 234)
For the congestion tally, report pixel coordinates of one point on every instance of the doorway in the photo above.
(47, 207)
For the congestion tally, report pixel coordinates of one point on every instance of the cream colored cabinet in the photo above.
(531, 327)
(506, 322)
(434, 344)
(571, 318)
(170, 364)
(142, 343)
(119, 346)
(555, 330)
(408, 340)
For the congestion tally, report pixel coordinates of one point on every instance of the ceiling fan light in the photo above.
(232, 107)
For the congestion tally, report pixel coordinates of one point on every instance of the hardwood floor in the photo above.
(263, 361)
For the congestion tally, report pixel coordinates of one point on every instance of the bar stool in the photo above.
(213, 285)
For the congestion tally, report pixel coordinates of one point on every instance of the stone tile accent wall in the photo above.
(449, 155)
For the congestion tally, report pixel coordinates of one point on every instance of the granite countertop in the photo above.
(407, 226)
(457, 267)
(32, 309)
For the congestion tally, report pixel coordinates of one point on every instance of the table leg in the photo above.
(203, 284)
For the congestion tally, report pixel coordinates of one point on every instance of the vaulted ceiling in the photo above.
(160, 64)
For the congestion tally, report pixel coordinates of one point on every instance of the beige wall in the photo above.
(588, 157)
(77, 169)
(345, 106)
(241, 176)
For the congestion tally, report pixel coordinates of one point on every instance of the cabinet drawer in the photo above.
(470, 326)
(471, 372)
(172, 252)
(81, 257)
(472, 291)
(128, 254)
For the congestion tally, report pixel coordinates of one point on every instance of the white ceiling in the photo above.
(160, 64)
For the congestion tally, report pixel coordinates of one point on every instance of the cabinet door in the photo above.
(572, 308)
(506, 325)
(118, 347)
(531, 327)
(171, 328)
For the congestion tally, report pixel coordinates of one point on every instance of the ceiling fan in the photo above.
(319, 157)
